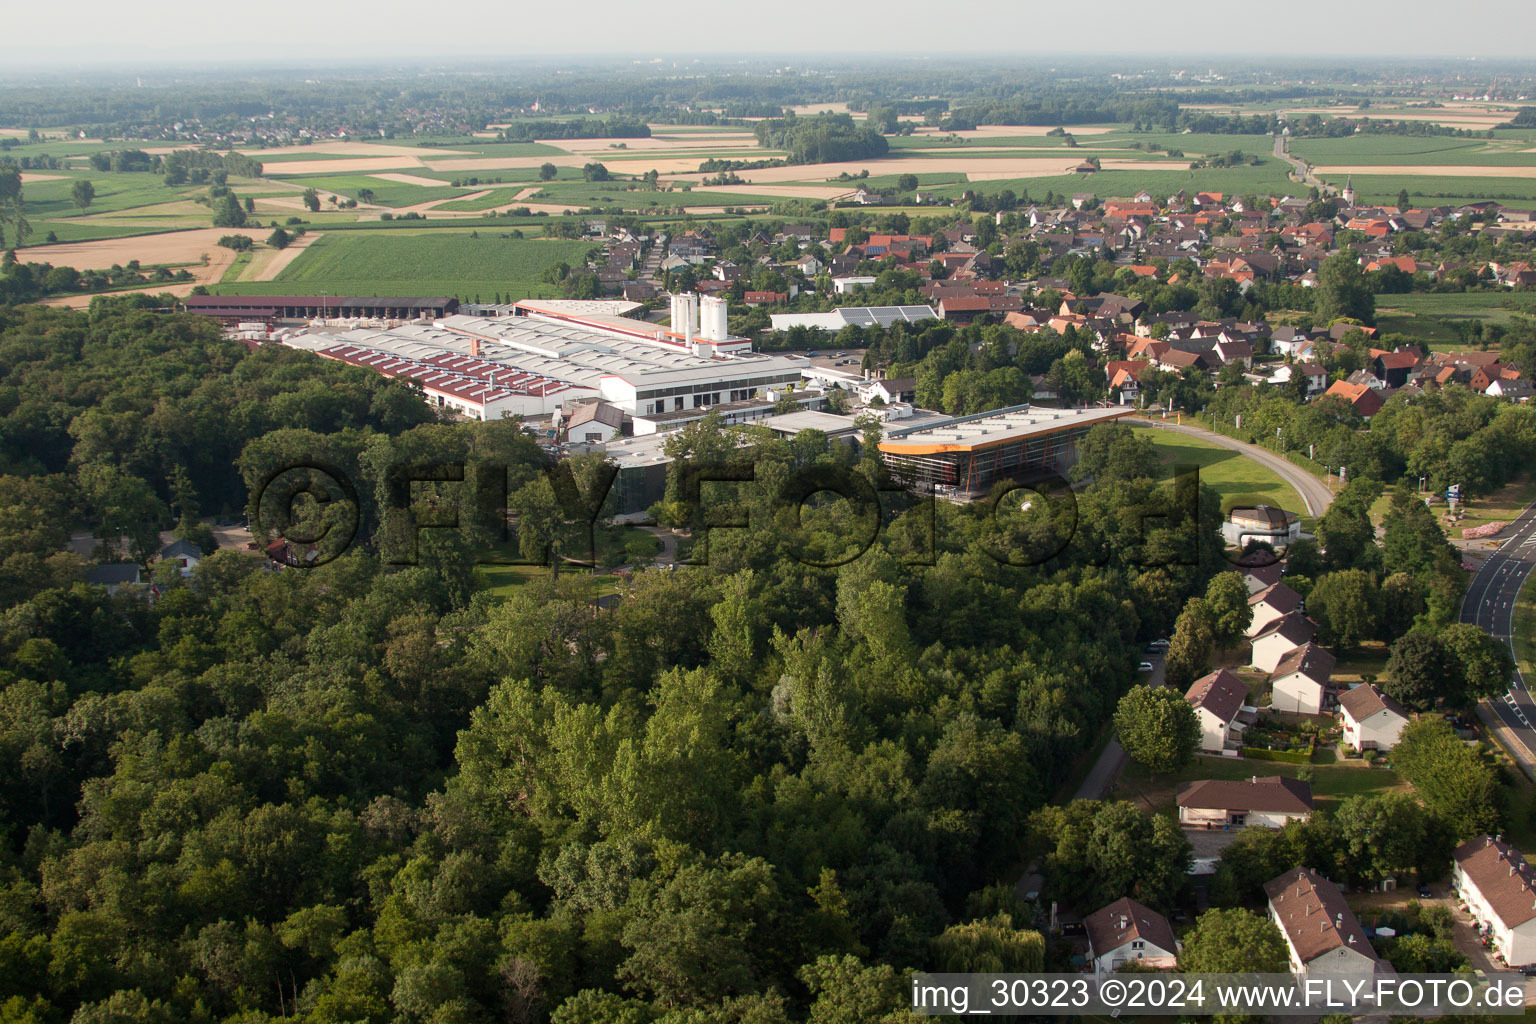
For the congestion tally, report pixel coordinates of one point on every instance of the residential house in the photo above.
(889, 391)
(1265, 802)
(1322, 935)
(115, 576)
(1315, 376)
(1217, 698)
(183, 554)
(1269, 605)
(1125, 932)
(1367, 401)
(1280, 638)
(1498, 887)
(1301, 682)
(1372, 719)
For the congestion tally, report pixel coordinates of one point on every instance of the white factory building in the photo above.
(555, 353)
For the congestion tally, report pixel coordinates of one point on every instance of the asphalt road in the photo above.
(1303, 173)
(1490, 603)
(1313, 491)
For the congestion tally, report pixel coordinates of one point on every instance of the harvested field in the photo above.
(349, 148)
(995, 130)
(365, 164)
(30, 176)
(787, 191)
(268, 263)
(656, 143)
(975, 169)
(164, 248)
(409, 179)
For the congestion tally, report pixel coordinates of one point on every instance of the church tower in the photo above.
(1349, 191)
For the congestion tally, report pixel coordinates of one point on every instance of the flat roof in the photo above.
(794, 422)
(970, 433)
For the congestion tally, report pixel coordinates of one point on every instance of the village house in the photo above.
(1322, 935)
(1126, 931)
(1365, 400)
(1372, 720)
(1272, 603)
(1265, 802)
(1217, 698)
(1280, 638)
(1498, 887)
(1300, 683)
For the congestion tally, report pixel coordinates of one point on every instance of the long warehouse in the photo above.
(533, 363)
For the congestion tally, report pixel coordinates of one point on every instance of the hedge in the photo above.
(1284, 756)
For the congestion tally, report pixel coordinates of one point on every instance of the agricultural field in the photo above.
(1414, 150)
(401, 263)
(1429, 186)
(1434, 318)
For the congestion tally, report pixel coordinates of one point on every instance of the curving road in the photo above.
(1302, 171)
(1313, 491)
(1490, 603)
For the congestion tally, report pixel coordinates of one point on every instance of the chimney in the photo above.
(474, 347)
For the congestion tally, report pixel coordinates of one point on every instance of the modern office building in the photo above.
(963, 456)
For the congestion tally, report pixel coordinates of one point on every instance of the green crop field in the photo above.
(419, 264)
(50, 200)
(1268, 178)
(1408, 150)
(1439, 190)
(386, 193)
(1240, 481)
(1434, 318)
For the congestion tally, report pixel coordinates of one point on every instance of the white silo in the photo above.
(685, 314)
(712, 318)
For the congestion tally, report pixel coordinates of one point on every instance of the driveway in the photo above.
(1113, 758)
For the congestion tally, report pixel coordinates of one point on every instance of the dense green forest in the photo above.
(753, 790)
(825, 138)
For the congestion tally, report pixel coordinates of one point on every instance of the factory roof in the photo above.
(969, 433)
(862, 316)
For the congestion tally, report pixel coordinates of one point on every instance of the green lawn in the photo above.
(1239, 480)
(368, 263)
(502, 581)
(1331, 785)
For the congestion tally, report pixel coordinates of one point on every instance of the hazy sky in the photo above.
(302, 31)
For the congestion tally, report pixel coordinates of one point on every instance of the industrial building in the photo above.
(307, 307)
(853, 316)
(556, 353)
(963, 456)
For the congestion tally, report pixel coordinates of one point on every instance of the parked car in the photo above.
(1145, 666)
(1423, 891)
(1160, 644)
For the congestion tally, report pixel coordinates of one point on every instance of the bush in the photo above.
(1282, 756)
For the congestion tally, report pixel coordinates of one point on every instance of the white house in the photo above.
(1273, 526)
(1280, 638)
(184, 554)
(1268, 802)
(1125, 931)
(1322, 935)
(1217, 698)
(1316, 377)
(1300, 683)
(1270, 605)
(1372, 720)
(592, 423)
(1495, 883)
